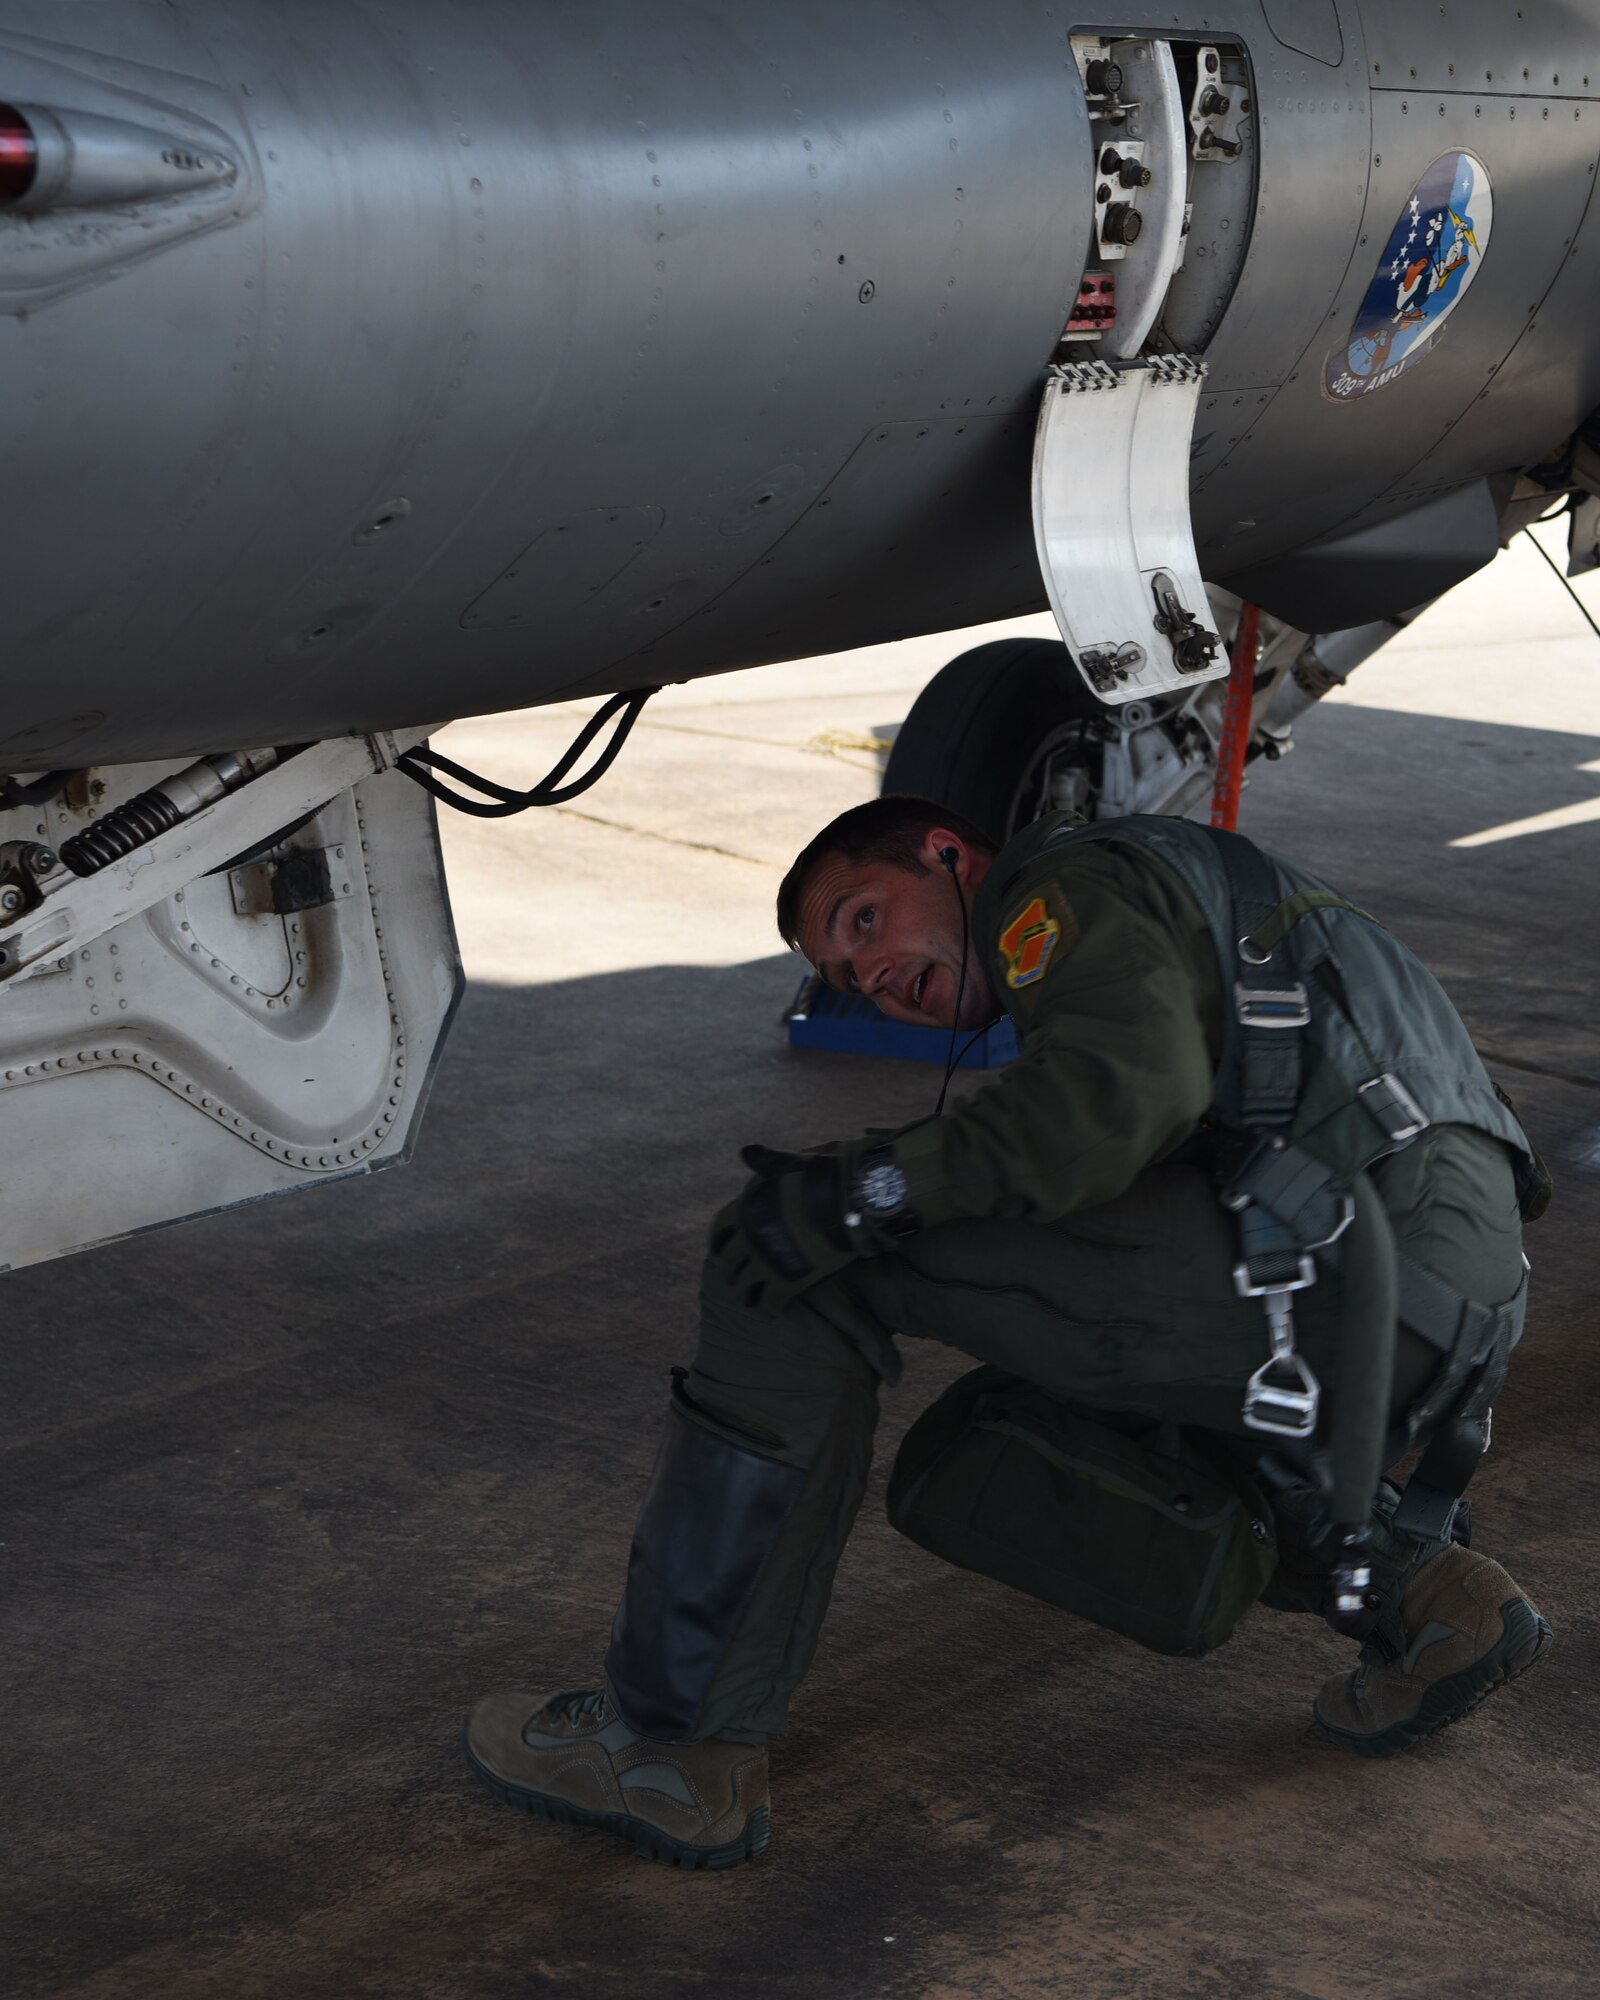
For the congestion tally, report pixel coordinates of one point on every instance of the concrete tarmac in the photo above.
(282, 1492)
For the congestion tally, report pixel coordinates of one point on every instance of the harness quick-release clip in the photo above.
(1282, 1396)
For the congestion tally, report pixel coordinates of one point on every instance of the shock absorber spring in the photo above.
(122, 829)
(153, 812)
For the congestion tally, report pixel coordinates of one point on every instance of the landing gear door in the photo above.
(1111, 523)
(271, 1025)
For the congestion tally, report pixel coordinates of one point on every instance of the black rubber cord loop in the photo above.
(1555, 570)
(502, 801)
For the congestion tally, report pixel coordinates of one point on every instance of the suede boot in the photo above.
(696, 1805)
(1460, 1629)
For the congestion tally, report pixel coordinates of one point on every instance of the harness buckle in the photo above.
(1282, 1408)
(1279, 1407)
(1397, 1111)
(1274, 1288)
(1272, 1007)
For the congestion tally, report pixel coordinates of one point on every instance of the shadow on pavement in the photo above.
(283, 1493)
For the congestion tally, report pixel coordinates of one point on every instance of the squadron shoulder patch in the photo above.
(1028, 943)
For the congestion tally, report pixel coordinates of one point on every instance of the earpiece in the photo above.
(949, 856)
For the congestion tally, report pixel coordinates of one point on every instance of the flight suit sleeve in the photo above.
(1115, 1069)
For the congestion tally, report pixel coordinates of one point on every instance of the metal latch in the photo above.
(1193, 647)
(1107, 667)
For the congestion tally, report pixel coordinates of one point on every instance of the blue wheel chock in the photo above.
(820, 1018)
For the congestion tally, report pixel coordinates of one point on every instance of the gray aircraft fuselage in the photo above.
(473, 356)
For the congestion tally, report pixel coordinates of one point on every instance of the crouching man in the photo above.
(1239, 1229)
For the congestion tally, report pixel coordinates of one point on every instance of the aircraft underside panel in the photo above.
(267, 1027)
(361, 360)
(1395, 406)
(588, 304)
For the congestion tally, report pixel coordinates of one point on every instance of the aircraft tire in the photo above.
(975, 733)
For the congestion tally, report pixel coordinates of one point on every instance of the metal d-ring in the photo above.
(1251, 955)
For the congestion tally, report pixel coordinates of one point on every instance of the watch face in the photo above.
(882, 1188)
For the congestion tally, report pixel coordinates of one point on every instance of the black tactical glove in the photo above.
(805, 1215)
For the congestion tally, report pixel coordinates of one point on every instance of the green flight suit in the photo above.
(1066, 1238)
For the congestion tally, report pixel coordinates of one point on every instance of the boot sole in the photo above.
(645, 1839)
(1523, 1643)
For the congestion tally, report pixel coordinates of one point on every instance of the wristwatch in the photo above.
(878, 1196)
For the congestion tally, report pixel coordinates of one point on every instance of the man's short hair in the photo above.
(890, 829)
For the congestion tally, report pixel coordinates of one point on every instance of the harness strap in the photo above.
(1305, 1195)
(1475, 1363)
(1260, 1075)
(1266, 937)
(1289, 1204)
(1433, 1492)
(1477, 1341)
(1430, 1307)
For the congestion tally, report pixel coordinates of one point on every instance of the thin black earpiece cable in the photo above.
(972, 1042)
(961, 984)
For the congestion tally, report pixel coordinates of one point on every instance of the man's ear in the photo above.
(942, 849)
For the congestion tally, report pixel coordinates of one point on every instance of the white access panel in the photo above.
(208, 1051)
(1111, 523)
(1156, 125)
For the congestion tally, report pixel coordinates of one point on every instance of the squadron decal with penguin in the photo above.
(1431, 257)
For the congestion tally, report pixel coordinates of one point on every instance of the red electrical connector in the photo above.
(1095, 310)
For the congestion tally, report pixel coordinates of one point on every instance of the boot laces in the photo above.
(579, 1706)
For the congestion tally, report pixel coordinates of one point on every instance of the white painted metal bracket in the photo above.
(1216, 110)
(1156, 128)
(1112, 527)
(75, 910)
